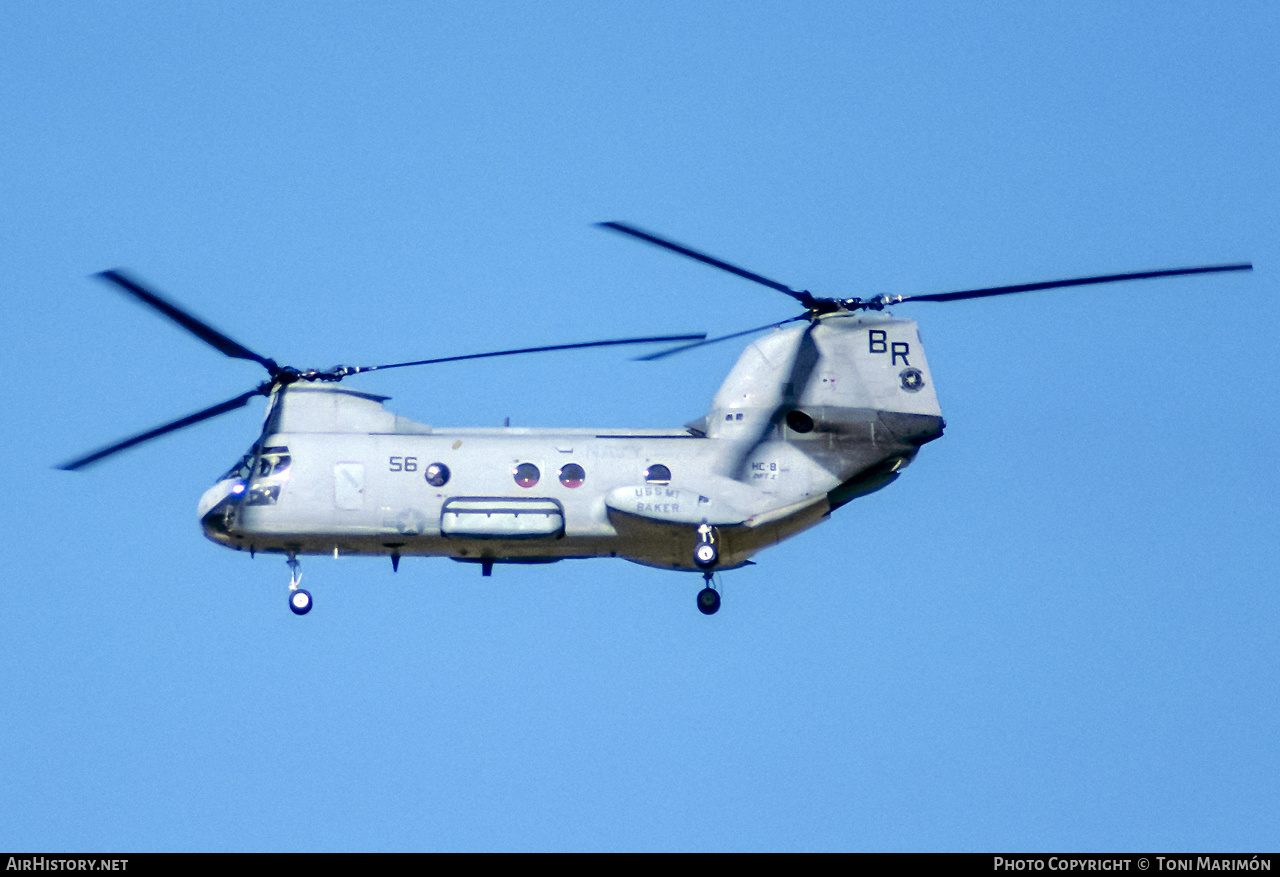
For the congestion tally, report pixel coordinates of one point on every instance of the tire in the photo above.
(300, 601)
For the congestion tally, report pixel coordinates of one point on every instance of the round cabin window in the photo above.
(526, 474)
(657, 474)
(437, 474)
(572, 475)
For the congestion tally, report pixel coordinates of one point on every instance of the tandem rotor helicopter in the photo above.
(828, 407)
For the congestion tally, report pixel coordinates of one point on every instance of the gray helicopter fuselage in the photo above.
(811, 416)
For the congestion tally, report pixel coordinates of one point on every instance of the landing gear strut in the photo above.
(707, 551)
(708, 597)
(299, 600)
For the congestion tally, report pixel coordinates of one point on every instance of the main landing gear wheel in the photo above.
(708, 601)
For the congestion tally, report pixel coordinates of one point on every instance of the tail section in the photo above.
(851, 391)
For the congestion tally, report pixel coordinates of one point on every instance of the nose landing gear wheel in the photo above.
(708, 601)
(299, 600)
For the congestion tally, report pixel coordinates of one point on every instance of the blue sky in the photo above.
(1056, 631)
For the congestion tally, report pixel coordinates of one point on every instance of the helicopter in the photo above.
(831, 405)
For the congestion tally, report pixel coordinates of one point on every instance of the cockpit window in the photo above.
(274, 463)
(241, 469)
(271, 462)
(263, 494)
(269, 472)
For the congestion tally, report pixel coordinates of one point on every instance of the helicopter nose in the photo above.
(223, 490)
(215, 507)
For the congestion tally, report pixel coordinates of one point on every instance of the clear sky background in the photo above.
(1058, 630)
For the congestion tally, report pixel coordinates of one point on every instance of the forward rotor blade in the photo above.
(1078, 281)
(657, 339)
(803, 297)
(681, 349)
(190, 419)
(201, 330)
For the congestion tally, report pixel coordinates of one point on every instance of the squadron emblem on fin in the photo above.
(912, 379)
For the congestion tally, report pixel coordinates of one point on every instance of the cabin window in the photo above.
(572, 475)
(657, 474)
(437, 474)
(526, 475)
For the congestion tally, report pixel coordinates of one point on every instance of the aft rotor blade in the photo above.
(200, 329)
(682, 348)
(803, 297)
(1077, 281)
(656, 339)
(189, 420)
